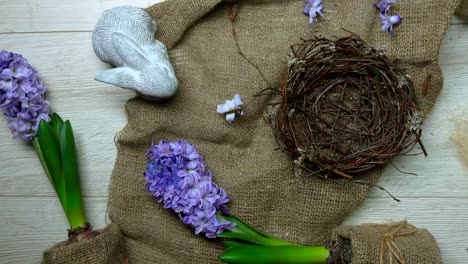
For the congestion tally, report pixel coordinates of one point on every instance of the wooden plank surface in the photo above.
(32, 224)
(57, 15)
(55, 36)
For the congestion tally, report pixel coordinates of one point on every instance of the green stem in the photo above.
(260, 240)
(255, 254)
(245, 232)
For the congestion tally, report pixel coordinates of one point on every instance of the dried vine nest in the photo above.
(345, 108)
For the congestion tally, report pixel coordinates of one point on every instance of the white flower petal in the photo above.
(223, 108)
(237, 100)
(230, 117)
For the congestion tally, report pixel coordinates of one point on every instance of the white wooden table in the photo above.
(55, 36)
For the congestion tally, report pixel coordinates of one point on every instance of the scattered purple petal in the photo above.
(176, 175)
(388, 22)
(384, 5)
(231, 108)
(312, 8)
(21, 96)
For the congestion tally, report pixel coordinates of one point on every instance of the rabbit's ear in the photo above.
(153, 27)
(129, 50)
(123, 77)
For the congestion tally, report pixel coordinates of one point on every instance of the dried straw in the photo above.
(345, 108)
(460, 136)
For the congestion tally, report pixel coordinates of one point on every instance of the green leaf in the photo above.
(50, 152)
(56, 124)
(75, 208)
(245, 232)
(255, 254)
(229, 244)
(37, 148)
(243, 226)
(256, 239)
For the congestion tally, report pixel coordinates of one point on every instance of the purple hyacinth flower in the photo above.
(384, 5)
(21, 96)
(176, 175)
(388, 22)
(312, 8)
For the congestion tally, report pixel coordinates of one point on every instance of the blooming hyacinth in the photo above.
(177, 176)
(21, 96)
(387, 21)
(231, 107)
(312, 8)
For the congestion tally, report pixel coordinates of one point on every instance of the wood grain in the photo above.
(57, 15)
(31, 225)
(55, 36)
(455, 45)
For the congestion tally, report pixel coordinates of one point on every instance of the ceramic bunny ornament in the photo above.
(124, 37)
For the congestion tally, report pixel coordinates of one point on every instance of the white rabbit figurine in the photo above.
(124, 37)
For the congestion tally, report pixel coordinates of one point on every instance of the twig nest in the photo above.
(345, 108)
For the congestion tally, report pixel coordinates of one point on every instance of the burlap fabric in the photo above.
(383, 243)
(462, 9)
(104, 248)
(243, 156)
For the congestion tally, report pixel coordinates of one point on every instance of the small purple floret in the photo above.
(177, 176)
(388, 22)
(384, 5)
(21, 96)
(312, 9)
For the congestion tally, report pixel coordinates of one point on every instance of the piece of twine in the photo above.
(394, 230)
(232, 15)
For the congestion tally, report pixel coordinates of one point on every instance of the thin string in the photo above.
(387, 241)
(233, 12)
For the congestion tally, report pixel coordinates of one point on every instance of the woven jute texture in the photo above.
(243, 156)
(463, 8)
(102, 249)
(385, 243)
